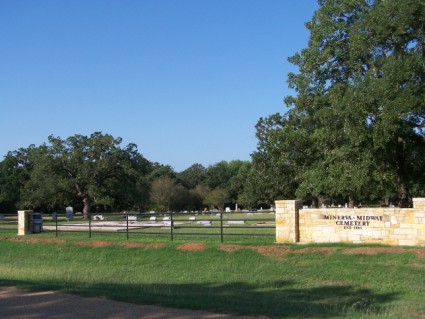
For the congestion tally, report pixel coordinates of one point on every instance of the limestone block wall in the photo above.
(390, 226)
(287, 220)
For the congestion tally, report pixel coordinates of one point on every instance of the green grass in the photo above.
(311, 284)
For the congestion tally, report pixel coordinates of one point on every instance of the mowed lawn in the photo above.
(282, 281)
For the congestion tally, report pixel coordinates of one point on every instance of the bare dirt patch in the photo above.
(142, 245)
(192, 247)
(419, 253)
(416, 313)
(272, 250)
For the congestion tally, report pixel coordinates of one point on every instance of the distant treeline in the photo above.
(96, 173)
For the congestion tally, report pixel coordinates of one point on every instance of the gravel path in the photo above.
(17, 303)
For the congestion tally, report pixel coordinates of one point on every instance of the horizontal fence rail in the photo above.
(8, 222)
(172, 225)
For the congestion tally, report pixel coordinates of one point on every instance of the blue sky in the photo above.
(185, 80)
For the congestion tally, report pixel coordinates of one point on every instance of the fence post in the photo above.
(221, 226)
(126, 217)
(172, 227)
(56, 225)
(89, 215)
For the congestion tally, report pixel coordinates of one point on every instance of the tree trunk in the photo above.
(404, 197)
(351, 201)
(401, 174)
(86, 209)
(314, 202)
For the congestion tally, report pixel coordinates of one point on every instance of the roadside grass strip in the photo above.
(277, 281)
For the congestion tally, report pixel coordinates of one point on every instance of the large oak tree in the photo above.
(359, 104)
(94, 169)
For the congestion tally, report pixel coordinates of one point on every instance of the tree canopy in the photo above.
(354, 130)
(93, 170)
(96, 173)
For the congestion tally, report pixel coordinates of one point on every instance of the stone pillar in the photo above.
(419, 204)
(23, 222)
(419, 220)
(287, 221)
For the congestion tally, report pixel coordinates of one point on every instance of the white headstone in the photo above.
(69, 213)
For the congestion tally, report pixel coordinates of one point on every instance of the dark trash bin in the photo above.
(36, 223)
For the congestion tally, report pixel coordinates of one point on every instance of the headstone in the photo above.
(236, 222)
(204, 222)
(69, 213)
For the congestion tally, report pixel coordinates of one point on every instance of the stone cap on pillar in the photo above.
(418, 203)
(289, 205)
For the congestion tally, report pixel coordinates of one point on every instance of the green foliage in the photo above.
(218, 175)
(159, 170)
(355, 129)
(14, 173)
(167, 195)
(192, 176)
(230, 176)
(94, 170)
(217, 198)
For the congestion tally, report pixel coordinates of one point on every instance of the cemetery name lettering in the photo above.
(353, 222)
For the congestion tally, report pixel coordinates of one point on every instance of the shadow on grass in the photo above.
(277, 299)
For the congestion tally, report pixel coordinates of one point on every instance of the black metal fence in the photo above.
(9, 222)
(171, 225)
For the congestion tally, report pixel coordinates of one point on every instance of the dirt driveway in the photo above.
(21, 304)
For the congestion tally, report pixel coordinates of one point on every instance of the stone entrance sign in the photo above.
(389, 226)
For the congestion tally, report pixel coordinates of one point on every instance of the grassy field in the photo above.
(291, 281)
